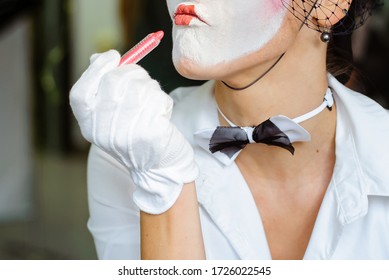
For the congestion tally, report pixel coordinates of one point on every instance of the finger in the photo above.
(126, 79)
(84, 90)
(145, 91)
(159, 103)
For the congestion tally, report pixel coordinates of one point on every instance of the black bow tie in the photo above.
(279, 131)
(229, 140)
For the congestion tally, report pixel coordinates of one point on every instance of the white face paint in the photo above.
(211, 32)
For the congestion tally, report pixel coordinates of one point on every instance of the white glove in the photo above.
(125, 113)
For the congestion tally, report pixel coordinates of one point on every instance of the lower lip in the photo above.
(183, 19)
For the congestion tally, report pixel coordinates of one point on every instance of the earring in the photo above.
(325, 36)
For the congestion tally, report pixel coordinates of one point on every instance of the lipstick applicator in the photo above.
(143, 48)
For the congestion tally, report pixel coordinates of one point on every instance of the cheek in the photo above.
(237, 31)
(272, 7)
(278, 5)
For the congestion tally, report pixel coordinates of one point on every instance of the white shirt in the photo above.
(352, 223)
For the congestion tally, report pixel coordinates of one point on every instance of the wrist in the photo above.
(158, 189)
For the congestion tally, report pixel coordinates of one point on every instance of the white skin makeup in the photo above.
(223, 31)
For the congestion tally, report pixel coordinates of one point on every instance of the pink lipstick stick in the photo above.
(143, 48)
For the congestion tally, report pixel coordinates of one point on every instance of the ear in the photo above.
(329, 12)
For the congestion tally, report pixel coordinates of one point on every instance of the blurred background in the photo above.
(44, 48)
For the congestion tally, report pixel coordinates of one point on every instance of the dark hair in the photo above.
(340, 55)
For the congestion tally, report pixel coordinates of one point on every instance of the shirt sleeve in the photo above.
(114, 218)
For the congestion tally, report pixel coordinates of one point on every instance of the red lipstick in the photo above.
(143, 48)
(185, 14)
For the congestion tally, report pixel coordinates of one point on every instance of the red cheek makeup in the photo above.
(143, 48)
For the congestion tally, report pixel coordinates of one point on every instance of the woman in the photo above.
(162, 187)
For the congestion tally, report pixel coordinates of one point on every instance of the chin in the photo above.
(191, 69)
(194, 70)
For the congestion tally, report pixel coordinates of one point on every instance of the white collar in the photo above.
(357, 124)
(360, 170)
(290, 127)
(328, 102)
(358, 116)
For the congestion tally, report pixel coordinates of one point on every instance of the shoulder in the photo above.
(109, 182)
(188, 98)
(194, 108)
(113, 216)
(354, 102)
(363, 112)
(100, 163)
(365, 124)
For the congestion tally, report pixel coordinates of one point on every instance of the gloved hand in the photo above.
(125, 113)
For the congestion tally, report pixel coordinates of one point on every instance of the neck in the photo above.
(295, 86)
(289, 95)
